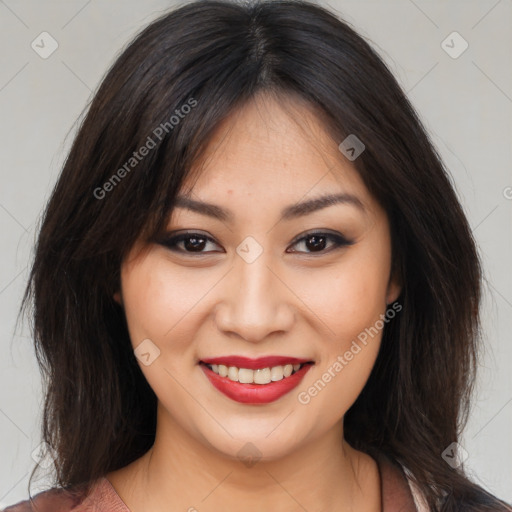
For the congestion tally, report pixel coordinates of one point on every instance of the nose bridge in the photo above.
(254, 304)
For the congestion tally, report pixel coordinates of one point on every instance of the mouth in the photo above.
(255, 381)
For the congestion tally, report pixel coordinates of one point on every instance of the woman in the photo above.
(254, 284)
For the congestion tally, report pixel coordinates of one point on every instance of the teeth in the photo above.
(245, 376)
(276, 373)
(233, 373)
(260, 376)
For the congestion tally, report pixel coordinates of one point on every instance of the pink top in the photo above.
(396, 494)
(102, 498)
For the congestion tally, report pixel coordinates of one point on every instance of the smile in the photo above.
(255, 381)
(261, 376)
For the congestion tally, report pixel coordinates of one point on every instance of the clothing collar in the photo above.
(396, 495)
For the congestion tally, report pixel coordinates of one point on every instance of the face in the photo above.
(269, 278)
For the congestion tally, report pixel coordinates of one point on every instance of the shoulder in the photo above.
(60, 500)
(398, 488)
(54, 500)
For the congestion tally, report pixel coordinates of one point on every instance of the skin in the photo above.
(309, 304)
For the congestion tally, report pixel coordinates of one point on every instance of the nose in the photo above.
(255, 302)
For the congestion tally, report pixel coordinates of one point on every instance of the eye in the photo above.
(193, 242)
(316, 242)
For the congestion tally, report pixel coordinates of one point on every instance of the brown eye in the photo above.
(197, 243)
(317, 242)
(192, 243)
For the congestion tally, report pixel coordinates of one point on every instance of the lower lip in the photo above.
(255, 393)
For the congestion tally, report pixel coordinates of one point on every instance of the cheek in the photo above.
(359, 325)
(349, 298)
(146, 303)
(160, 298)
(159, 306)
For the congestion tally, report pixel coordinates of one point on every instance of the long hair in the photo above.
(167, 91)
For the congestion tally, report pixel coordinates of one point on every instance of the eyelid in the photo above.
(333, 234)
(176, 237)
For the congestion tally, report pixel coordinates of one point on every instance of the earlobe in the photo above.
(117, 298)
(394, 290)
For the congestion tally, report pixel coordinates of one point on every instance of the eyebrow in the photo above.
(290, 212)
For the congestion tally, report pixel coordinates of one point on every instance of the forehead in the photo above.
(275, 150)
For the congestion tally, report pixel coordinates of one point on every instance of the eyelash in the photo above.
(338, 241)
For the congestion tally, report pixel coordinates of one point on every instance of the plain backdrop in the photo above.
(463, 97)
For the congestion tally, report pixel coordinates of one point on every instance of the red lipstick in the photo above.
(255, 393)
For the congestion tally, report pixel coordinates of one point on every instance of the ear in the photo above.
(118, 298)
(394, 289)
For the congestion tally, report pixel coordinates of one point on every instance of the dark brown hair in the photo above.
(99, 411)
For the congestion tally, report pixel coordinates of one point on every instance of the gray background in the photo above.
(465, 102)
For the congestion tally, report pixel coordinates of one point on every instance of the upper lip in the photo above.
(254, 364)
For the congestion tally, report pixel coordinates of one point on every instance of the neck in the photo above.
(181, 473)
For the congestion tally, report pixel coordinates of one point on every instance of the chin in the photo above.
(262, 440)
